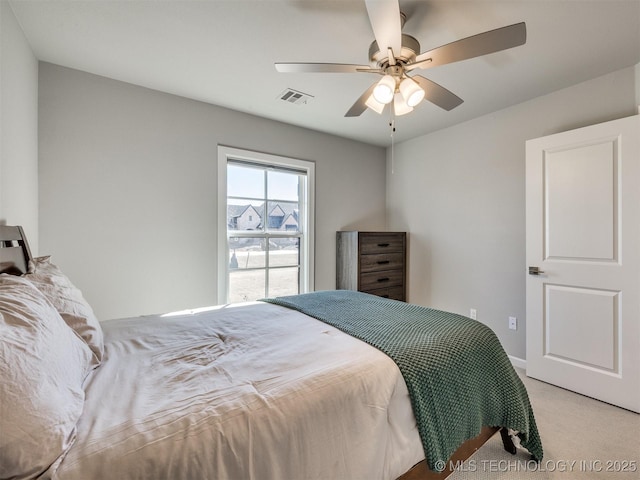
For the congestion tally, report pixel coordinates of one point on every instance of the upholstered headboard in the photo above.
(14, 250)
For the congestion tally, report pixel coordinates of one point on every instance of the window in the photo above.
(265, 224)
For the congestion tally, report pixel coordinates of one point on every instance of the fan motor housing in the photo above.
(410, 49)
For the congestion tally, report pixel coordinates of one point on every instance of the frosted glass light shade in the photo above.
(411, 92)
(399, 106)
(374, 105)
(385, 89)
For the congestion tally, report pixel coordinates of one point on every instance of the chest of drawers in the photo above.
(372, 262)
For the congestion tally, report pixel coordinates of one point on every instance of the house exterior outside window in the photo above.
(265, 225)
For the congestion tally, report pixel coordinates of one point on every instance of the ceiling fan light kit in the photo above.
(411, 92)
(400, 107)
(385, 89)
(374, 104)
(394, 55)
(405, 93)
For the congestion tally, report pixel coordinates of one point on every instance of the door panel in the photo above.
(590, 312)
(583, 218)
(580, 201)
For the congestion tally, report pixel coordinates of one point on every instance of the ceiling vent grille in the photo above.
(293, 96)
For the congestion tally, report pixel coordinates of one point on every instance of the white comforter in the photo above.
(238, 392)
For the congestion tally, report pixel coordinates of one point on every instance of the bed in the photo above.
(287, 388)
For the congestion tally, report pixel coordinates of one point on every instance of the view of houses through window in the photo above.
(264, 230)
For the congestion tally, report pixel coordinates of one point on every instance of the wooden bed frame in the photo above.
(421, 471)
(14, 259)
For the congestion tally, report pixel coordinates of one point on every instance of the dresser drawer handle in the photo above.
(383, 262)
(385, 295)
(384, 279)
(383, 244)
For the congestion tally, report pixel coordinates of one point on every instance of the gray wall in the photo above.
(18, 128)
(128, 203)
(460, 194)
(638, 86)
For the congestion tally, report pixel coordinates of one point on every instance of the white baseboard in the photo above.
(518, 362)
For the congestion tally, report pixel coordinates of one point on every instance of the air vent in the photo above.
(293, 96)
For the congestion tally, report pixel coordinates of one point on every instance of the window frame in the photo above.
(306, 226)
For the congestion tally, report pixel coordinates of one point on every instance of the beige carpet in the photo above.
(582, 438)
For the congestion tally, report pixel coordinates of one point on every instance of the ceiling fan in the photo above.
(395, 55)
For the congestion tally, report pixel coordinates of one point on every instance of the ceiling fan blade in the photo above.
(323, 68)
(384, 16)
(476, 45)
(437, 94)
(360, 105)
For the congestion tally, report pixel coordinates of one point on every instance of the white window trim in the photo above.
(307, 245)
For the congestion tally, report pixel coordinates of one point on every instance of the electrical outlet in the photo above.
(473, 314)
(513, 323)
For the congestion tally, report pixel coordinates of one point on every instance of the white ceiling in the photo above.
(222, 52)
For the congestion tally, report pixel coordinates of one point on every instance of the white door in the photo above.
(583, 234)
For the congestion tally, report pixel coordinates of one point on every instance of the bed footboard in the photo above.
(421, 471)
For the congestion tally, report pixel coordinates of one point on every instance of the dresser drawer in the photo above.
(394, 293)
(381, 261)
(382, 279)
(381, 243)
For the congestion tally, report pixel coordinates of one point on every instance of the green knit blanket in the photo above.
(458, 375)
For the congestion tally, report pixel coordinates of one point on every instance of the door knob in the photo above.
(535, 271)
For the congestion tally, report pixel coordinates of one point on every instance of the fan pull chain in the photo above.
(392, 124)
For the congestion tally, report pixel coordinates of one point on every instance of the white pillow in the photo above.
(43, 364)
(69, 302)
